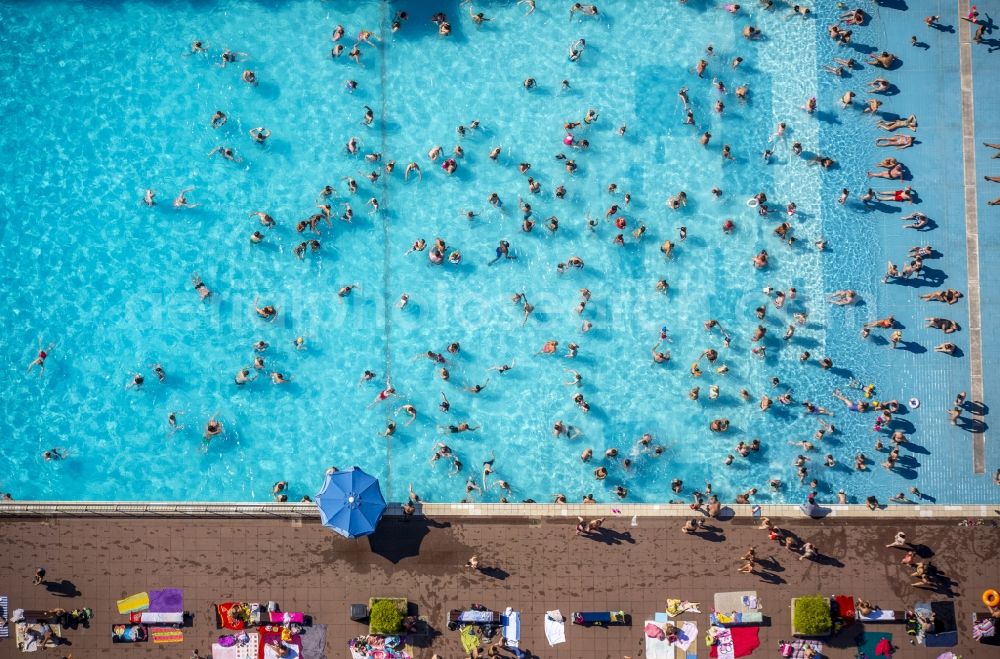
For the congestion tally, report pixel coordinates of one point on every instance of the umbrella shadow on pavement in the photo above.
(397, 540)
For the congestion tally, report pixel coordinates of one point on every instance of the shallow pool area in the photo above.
(105, 100)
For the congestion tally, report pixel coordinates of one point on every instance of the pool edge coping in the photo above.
(299, 511)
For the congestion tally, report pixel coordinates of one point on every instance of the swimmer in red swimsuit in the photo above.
(40, 359)
(383, 395)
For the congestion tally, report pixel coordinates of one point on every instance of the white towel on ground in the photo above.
(657, 649)
(687, 635)
(220, 652)
(555, 627)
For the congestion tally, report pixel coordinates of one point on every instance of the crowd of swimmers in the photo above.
(615, 464)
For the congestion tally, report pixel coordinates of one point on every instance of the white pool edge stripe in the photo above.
(299, 511)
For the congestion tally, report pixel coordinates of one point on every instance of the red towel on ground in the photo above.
(271, 634)
(745, 641)
(846, 605)
(226, 620)
(884, 648)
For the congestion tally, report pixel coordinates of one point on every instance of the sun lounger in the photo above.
(152, 618)
(880, 615)
(511, 621)
(600, 618)
(4, 617)
(458, 618)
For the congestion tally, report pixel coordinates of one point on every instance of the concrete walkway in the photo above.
(533, 565)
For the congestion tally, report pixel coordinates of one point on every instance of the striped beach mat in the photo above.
(166, 635)
(4, 615)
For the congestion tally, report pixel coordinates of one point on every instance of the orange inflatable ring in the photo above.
(991, 598)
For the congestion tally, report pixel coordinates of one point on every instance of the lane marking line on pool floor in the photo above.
(971, 235)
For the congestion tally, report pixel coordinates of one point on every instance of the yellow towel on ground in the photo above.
(133, 603)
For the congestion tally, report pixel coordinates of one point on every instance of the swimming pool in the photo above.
(105, 101)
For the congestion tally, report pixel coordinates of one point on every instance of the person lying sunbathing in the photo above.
(943, 324)
(910, 122)
(906, 194)
(951, 296)
(898, 141)
(278, 648)
(893, 172)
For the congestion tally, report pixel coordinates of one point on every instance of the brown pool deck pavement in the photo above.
(532, 565)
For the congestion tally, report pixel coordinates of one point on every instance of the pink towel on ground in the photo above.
(745, 641)
(278, 617)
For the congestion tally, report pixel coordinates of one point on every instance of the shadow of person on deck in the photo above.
(971, 425)
(976, 407)
(64, 588)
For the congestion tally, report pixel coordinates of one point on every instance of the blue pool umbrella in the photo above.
(350, 502)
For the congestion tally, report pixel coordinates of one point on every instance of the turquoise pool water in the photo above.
(104, 100)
